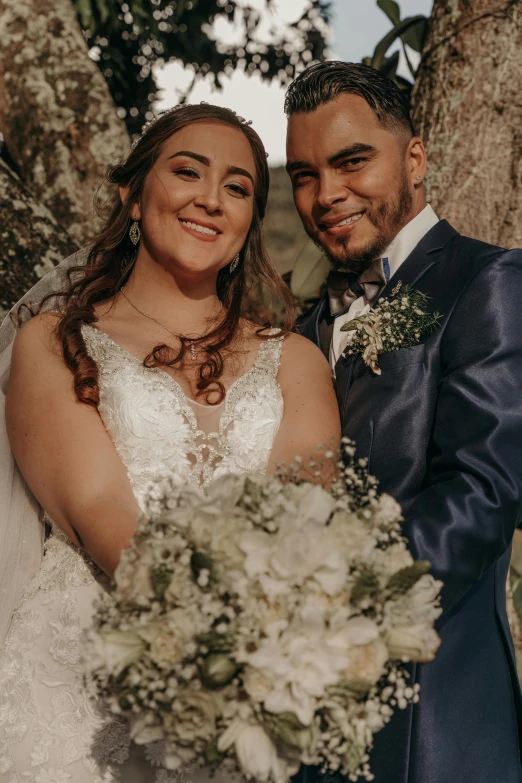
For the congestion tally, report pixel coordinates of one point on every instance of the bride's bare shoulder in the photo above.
(38, 337)
(299, 351)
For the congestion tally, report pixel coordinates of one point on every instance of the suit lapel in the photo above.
(422, 257)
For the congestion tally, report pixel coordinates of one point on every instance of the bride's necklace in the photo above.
(193, 349)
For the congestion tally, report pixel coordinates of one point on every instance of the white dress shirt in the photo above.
(400, 248)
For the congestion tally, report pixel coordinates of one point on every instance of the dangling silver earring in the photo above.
(234, 263)
(417, 177)
(135, 233)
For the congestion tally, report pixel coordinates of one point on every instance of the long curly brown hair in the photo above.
(254, 291)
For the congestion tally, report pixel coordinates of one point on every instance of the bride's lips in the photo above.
(207, 232)
(336, 230)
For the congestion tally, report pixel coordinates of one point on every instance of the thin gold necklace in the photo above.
(193, 349)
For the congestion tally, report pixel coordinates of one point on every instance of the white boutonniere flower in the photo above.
(394, 323)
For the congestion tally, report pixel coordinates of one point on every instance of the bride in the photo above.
(155, 356)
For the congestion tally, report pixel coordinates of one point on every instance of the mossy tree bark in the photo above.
(56, 113)
(32, 242)
(467, 106)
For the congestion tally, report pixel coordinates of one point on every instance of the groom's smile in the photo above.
(351, 177)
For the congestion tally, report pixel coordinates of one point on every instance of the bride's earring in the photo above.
(135, 233)
(234, 264)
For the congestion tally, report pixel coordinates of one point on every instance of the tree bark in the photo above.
(56, 113)
(33, 242)
(467, 106)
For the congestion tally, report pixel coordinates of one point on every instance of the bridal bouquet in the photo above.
(262, 622)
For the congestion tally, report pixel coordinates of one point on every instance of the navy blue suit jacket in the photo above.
(442, 428)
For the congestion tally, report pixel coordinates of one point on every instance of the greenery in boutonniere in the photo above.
(394, 323)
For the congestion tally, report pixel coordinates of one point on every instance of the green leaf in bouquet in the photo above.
(124, 701)
(160, 579)
(404, 579)
(216, 642)
(355, 688)
(353, 757)
(212, 754)
(217, 670)
(366, 585)
(286, 728)
(200, 562)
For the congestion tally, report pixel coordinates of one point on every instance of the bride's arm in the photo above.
(311, 414)
(63, 449)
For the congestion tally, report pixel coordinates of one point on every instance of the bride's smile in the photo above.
(195, 209)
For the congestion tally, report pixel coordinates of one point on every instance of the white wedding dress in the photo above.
(50, 731)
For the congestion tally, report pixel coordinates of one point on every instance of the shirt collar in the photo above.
(409, 237)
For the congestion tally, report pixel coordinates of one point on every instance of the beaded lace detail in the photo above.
(155, 427)
(49, 730)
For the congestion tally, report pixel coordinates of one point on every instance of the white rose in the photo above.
(113, 651)
(193, 716)
(366, 662)
(415, 642)
(168, 636)
(256, 683)
(297, 552)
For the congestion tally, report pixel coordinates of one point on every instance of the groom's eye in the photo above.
(300, 176)
(353, 162)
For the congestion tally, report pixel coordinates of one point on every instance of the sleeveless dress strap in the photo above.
(269, 356)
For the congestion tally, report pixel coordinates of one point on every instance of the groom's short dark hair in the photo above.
(323, 82)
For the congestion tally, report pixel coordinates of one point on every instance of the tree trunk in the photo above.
(32, 240)
(56, 113)
(467, 106)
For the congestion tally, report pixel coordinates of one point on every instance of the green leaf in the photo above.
(103, 10)
(160, 578)
(84, 11)
(404, 579)
(366, 585)
(415, 37)
(309, 273)
(391, 9)
(397, 32)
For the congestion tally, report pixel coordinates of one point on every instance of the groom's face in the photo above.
(353, 179)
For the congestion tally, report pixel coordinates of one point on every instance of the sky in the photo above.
(357, 26)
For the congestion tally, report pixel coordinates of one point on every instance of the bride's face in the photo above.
(196, 206)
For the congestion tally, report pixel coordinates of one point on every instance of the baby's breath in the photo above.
(399, 322)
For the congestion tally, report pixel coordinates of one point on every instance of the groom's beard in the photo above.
(388, 219)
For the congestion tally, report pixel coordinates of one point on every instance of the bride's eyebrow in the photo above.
(206, 162)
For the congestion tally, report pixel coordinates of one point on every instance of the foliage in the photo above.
(411, 32)
(128, 38)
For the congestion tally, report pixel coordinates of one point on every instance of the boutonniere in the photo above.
(394, 323)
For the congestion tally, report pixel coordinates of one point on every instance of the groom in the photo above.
(442, 423)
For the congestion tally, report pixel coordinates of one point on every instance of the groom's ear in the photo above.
(135, 211)
(416, 160)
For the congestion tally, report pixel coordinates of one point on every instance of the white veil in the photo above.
(21, 527)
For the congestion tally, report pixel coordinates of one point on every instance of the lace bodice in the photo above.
(49, 729)
(157, 428)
